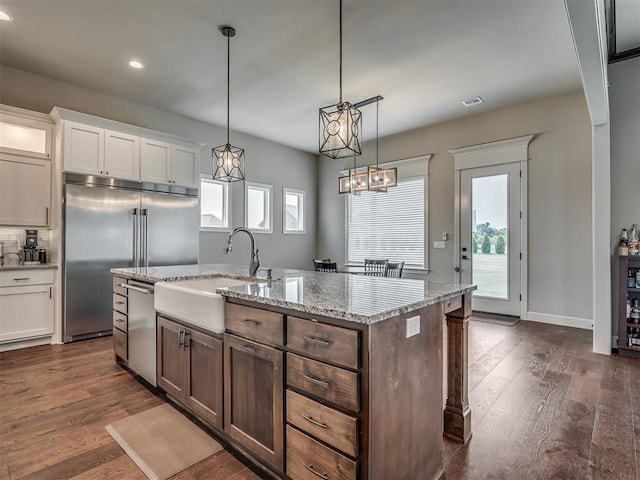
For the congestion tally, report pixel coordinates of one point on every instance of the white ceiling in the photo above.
(423, 57)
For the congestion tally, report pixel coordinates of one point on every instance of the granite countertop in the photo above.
(355, 298)
(39, 266)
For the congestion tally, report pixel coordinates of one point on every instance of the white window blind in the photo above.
(388, 226)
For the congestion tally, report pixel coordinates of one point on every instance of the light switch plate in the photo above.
(439, 244)
(413, 326)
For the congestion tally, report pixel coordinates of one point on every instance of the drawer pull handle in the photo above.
(251, 322)
(118, 342)
(119, 303)
(315, 381)
(21, 279)
(315, 341)
(309, 467)
(315, 422)
(119, 320)
(247, 348)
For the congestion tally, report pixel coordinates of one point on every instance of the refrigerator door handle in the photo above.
(145, 246)
(135, 238)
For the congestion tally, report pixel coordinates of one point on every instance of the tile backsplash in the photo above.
(13, 238)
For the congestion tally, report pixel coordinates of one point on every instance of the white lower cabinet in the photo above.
(26, 304)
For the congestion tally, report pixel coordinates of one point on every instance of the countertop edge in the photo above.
(42, 266)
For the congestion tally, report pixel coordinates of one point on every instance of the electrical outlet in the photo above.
(413, 326)
(445, 236)
(439, 244)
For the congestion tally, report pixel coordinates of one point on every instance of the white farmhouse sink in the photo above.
(195, 301)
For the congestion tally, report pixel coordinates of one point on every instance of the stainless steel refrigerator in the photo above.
(112, 223)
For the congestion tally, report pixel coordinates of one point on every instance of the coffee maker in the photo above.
(30, 249)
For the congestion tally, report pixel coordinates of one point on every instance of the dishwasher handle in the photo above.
(135, 288)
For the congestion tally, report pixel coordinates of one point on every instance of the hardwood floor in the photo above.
(543, 407)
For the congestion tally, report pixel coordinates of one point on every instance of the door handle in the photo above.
(135, 238)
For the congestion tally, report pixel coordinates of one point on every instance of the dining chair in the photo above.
(317, 263)
(321, 266)
(375, 268)
(394, 269)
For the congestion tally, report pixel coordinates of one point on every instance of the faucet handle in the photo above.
(257, 255)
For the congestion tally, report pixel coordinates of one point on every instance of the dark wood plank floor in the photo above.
(543, 407)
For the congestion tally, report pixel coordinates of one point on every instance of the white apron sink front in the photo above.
(195, 301)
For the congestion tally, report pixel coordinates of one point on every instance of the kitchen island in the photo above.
(333, 375)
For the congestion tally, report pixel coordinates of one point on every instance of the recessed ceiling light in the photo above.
(470, 102)
(136, 64)
(5, 16)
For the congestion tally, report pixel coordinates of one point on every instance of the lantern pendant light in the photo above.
(228, 161)
(340, 124)
(380, 179)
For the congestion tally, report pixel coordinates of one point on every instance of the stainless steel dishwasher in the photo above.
(142, 330)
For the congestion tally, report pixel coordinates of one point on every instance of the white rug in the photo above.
(162, 441)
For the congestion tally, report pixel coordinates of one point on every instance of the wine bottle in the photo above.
(623, 246)
(633, 241)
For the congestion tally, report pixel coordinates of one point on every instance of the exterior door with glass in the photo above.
(490, 236)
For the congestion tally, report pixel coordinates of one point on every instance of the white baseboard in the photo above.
(5, 347)
(574, 322)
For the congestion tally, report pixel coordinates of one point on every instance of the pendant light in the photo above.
(228, 161)
(354, 182)
(340, 124)
(380, 179)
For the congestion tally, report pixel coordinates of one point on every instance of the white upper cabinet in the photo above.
(25, 133)
(166, 163)
(155, 160)
(83, 149)
(25, 191)
(112, 149)
(185, 166)
(25, 167)
(121, 155)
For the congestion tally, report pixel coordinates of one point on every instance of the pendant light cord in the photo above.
(340, 51)
(377, 106)
(228, 81)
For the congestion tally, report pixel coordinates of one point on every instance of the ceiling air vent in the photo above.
(470, 102)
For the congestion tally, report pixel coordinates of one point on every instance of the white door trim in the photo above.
(511, 150)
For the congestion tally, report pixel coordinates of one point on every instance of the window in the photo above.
(293, 220)
(388, 225)
(258, 207)
(214, 205)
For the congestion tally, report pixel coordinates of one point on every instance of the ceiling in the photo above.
(424, 57)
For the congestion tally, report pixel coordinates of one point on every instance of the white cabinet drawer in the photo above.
(15, 278)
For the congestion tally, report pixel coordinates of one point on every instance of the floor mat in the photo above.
(162, 441)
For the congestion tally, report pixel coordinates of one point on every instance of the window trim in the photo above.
(301, 194)
(226, 207)
(408, 168)
(269, 208)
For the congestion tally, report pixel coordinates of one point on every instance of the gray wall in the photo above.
(559, 195)
(267, 162)
(624, 111)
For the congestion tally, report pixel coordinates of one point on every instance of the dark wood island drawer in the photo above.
(310, 460)
(333, 384)
(255, 324)
(324, 423)
(324, 342)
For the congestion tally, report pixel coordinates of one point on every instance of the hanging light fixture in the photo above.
(354, 182)
(380, 179)
(340, 124)
(228, 161)
(374, 179)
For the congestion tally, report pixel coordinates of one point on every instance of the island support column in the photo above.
(457, 414)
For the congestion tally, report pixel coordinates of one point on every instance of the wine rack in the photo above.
(626, 328)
